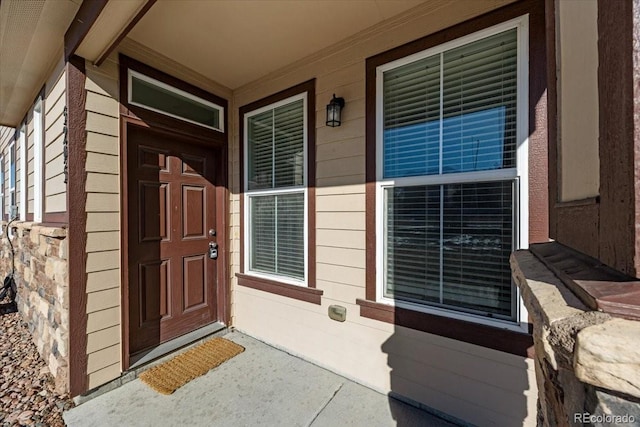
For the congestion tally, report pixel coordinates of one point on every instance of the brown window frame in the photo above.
(307, 293)
(492, 337)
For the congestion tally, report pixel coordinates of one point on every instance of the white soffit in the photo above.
(113, 19)
(31, 40)
(236, 42)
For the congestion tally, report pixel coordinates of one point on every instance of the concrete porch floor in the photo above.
(261, 386)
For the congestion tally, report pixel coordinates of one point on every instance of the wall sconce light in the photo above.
(334, 110)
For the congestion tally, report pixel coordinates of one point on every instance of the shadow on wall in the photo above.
(460, 381)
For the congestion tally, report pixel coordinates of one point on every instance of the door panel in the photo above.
(171, 205)
(194, 215)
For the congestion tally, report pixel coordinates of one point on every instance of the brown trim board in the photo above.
(124, 238)
(272, 286)
(56, 217)
(599, 287)
(486, 336)
(552, 111)
(81, 24)
(617, 226)
(301, 293)
(143, 11)
(520, 344)
(76, 202)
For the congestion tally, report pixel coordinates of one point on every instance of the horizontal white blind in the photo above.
(478, 85)
(412, 119)
(277, 234)
(276, 147)
(449, 245)
(413, 243)
(479, 105)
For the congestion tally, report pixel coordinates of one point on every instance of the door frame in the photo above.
(130, 116)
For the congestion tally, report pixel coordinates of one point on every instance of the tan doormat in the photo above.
(167, 377)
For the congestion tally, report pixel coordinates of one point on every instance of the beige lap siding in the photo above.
(55, 189)
(103, 224)
(476, 384)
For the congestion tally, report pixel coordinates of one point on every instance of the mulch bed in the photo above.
(27, 392)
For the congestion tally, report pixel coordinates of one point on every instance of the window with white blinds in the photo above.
(448, 179)
(275, 174)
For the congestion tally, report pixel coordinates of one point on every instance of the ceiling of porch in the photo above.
(236, 42)
(31, 34)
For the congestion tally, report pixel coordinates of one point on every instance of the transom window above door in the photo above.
(154, 95)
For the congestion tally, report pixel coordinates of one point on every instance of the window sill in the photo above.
(504, 340)
(301, 293)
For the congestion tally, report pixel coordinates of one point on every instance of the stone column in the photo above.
(587, 363)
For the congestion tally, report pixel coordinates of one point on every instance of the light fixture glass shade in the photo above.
(334, 111)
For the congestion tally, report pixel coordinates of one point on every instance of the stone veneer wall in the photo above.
(587, 363)
(41, 276)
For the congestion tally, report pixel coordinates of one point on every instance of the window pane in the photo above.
(479, 95)
(277, 234)
(260, 150)
(479, 105)
(12, 167)
(276, 147)
(289, 144)
(412, 119)
(477, 242)
(461, 261)
(290, 235)
(413, 243)
(263, 234)
(148, 94)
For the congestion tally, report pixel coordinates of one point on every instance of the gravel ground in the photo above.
(27, 395)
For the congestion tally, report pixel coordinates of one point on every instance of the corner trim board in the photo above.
(76, 202)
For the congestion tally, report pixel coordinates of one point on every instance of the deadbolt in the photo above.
(212, 232)
(213, 250)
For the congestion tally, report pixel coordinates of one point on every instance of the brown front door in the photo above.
(171, 214)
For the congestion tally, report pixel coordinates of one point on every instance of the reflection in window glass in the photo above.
(155, 96)
(447, 243)
(473, 129)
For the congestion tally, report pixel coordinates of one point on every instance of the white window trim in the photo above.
(132, 73)
(38, 166)
(12, 188)
(22, 204)
(520, 173)
(285, 190)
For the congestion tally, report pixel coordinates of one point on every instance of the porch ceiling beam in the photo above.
(125, 32)
(111, 26)
(83, 21)
(101, 25)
